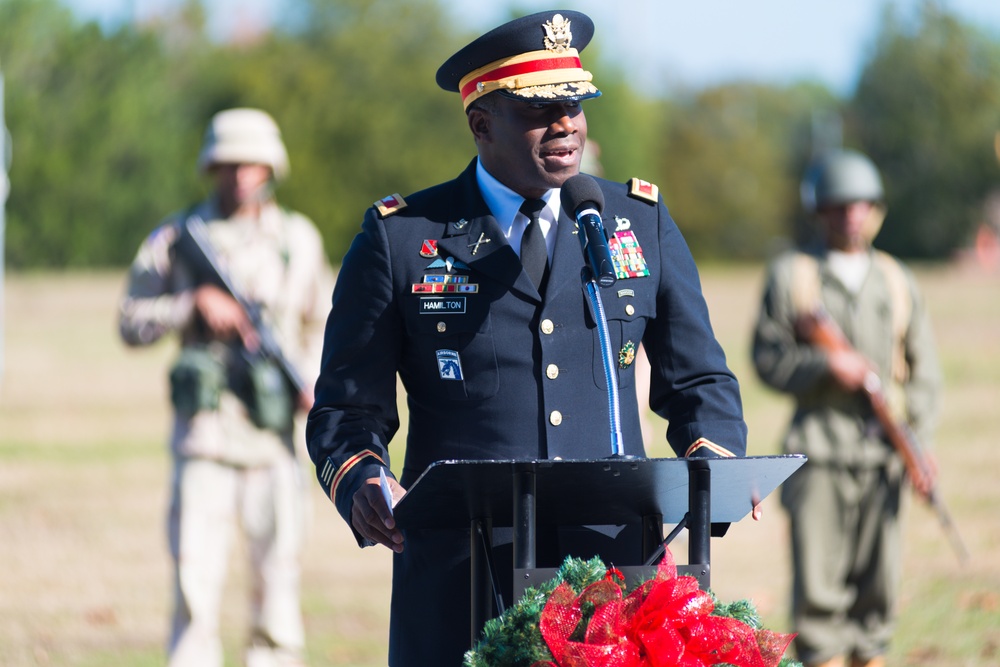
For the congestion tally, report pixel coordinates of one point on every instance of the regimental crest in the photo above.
(557, 34)
(429, 248)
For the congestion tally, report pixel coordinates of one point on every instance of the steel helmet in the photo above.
(840, 177)
(246, 136)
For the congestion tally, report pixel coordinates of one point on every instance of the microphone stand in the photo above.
(610, 375)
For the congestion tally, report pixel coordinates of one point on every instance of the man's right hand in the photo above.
(372, 518)
(224, 316)
(848, 368)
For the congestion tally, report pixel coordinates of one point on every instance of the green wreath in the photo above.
(585, 617)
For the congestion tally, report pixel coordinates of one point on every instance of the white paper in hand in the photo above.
(383, 483)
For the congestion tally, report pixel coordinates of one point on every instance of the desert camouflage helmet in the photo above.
(244, 136)
(841, 177)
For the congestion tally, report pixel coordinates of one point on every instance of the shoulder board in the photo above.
(640, 189)
(388, 205)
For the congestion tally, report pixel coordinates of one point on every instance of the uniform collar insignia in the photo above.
(482, 239)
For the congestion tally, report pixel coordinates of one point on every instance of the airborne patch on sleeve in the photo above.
(640, 189)
(388, 205)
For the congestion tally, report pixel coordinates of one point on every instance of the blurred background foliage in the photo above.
(106, 125)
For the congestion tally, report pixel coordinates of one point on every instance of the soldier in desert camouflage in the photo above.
(234, 438)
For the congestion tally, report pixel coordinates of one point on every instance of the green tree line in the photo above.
(107, 122)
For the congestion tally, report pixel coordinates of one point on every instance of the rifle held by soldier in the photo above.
(196, 244)
(818, 329)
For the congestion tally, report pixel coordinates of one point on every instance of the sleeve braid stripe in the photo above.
(707, 444)
(348, 464)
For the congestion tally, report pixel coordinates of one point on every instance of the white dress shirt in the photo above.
(505, 204)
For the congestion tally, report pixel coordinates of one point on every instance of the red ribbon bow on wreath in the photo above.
(665, 622)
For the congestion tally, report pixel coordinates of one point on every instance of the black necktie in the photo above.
(534, 255)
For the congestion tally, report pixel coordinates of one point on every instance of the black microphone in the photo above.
(582, 199)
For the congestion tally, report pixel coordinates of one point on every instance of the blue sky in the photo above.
(672, 42)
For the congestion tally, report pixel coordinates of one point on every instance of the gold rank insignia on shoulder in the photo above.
(640, 189)
(388, 205)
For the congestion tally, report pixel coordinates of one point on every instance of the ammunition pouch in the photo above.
(202, 373)
(265, 391)
(273, 406)
(197, 379)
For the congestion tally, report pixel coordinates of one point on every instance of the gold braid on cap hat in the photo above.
(554, 72)
(527, 70)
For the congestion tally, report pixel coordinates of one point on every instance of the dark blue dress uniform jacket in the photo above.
(532, 383)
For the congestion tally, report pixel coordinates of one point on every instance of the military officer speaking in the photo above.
(500, 356)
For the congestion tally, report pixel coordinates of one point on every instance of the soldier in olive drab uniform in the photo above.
(234, 439)
(844, 503)
(498, 362)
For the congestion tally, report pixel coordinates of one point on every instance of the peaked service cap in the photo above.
(535, 59)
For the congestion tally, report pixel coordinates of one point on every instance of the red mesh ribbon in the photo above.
(665, 622)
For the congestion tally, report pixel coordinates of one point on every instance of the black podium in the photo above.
(538, 494)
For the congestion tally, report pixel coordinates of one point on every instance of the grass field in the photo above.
(84, 572)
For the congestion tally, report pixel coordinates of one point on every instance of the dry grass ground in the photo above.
(84, 574)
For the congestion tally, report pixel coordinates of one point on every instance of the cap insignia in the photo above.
(557, 34)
